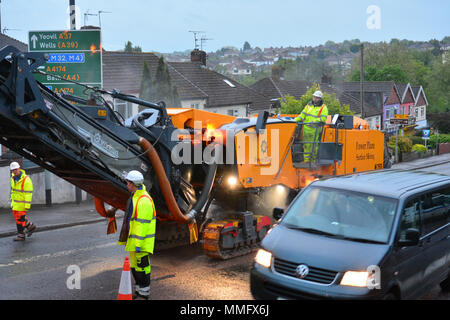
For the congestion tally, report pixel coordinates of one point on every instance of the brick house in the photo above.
(407, 98)
(420, 107)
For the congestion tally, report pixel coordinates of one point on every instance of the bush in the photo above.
(404, 144)
(443, 138)
(419, 148)
(417, 140)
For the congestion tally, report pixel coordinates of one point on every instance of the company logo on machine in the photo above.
(302, 271)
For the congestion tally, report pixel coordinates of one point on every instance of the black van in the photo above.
(374, 235)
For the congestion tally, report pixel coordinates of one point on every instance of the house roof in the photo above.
(123, 71)
(353, 102)
(406, 92)
(193, 81)
(275, 88)
(8, 41)
(418, 91)
(384, 87)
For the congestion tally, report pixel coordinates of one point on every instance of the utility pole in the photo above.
(73, 25)
(361, 80)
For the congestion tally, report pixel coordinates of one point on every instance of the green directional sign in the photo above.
(74, 55)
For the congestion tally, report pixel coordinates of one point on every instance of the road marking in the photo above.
(57, 254)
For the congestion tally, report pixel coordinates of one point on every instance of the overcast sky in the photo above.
(164, 25)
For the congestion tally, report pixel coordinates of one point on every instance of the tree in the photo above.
(162, 84)
(293, 106)
(246, 46)
(437, 90)
(387, 73)
(146, 89)
(130, 48)
(160, 87)
(440, 121)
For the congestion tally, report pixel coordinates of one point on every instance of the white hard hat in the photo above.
(14, 165)
(135, 177)
(318, 94)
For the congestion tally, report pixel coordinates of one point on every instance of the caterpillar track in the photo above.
(235, 236)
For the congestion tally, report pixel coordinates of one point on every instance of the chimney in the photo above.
(198, 56)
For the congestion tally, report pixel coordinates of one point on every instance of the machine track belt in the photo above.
(212, 240)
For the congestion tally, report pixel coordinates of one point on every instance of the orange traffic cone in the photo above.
(125, 282)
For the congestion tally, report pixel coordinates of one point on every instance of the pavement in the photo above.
(423, 162)
(72, 214)
(55, 216)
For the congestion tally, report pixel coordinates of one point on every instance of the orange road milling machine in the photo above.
(209, 174)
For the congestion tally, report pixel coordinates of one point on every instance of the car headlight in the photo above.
(264, 258)
(355, 278)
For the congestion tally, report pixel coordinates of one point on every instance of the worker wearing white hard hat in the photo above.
(138, 233)
(313, 115)
(21, 196)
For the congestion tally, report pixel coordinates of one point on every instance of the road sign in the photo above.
(426, 134)
(398, 121)
(74, 55)
(401, 116)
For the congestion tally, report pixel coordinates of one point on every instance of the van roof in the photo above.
(390, 183)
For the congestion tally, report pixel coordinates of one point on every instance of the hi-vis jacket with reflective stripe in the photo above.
(21, 192)
(313, 114)
(142, 226)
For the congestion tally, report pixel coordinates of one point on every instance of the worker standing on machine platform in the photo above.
(314, 114)
(138, 233)
(21, 196)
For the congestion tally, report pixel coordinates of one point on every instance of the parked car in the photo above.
(375, 235)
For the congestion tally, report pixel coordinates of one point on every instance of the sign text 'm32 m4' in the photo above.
(74, 55)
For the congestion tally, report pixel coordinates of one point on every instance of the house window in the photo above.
(195, 105)
(416, 113)
(228, 82)
(422, 112)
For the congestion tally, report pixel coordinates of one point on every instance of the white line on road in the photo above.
(57, 254)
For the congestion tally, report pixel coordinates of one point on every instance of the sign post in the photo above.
(426, 135)
(398, 120)
(74, 55)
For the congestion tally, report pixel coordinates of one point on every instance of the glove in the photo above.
(138, 250)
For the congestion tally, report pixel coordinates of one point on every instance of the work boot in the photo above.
(30, 229)
(20, 237)
(140, 297)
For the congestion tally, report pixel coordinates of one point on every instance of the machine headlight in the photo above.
(355, 278)
(264, 258)
(232, 181)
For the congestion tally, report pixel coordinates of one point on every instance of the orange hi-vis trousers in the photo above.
(21, 220)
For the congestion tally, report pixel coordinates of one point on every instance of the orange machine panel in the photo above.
(362, 149)
(185, 117)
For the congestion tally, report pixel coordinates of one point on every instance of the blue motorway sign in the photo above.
(66, 58)
(426, 134)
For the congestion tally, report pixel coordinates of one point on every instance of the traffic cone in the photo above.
(125, 282)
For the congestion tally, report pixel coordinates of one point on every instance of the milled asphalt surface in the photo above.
(72, 214)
